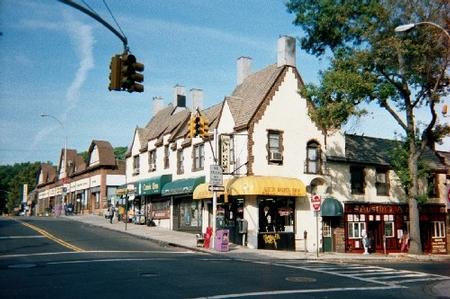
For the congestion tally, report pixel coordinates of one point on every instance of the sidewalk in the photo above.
(186, 240)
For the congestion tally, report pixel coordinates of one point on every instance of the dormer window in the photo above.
(313, 157)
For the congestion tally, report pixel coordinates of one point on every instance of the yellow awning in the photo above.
(267, 185)
(202, 192)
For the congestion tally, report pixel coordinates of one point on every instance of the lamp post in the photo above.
(65, 146)
(407, 27)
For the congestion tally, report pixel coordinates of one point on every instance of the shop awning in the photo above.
(267, 185)
(331, 207)
(202, 192)
(152, 186)
(182, 186)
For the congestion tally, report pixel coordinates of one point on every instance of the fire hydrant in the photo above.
(208, 235)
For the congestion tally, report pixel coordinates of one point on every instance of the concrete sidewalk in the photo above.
(188, 241)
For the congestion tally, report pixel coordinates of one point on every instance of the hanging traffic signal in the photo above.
(114, 75)
(197, 125)
(204, 128)
(130, 74)
(192, 132)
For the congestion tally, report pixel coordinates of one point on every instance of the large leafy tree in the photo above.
(370, 62)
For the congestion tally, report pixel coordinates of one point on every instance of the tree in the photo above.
(370, 62)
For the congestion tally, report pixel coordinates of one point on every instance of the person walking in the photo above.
(111, 213)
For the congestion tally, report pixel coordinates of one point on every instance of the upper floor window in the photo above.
(152, 160)
(382, 182)
(94, 157)
(432, 186)
(357, 179)
(166, 156)
(136, 164)
(275, 146)
(313, 160)
(180, 158)
(199, 157)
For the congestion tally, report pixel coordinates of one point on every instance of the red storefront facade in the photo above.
(385, 225)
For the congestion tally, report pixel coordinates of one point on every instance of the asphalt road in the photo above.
(58, 258)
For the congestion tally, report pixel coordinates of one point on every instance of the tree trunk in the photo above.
(415, 244)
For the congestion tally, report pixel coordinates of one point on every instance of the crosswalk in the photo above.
(366, 273)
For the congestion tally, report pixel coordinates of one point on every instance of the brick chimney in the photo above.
(286, 51)
(244, 68)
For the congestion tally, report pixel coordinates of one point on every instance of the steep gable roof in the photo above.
(247, 97)
(105, 152)
(47, 174)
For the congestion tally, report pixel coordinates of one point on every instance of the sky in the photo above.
(56, 61)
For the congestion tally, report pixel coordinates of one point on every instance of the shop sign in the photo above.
(315, 200)
(285, 211)
(225, 146)
(438, 246)
(373, 209)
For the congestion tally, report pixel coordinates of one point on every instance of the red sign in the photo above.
(315, 200)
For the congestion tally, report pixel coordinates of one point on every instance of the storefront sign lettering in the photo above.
(150, 187)
(281, 191)
(438, 246)
(374, 209)
(271, 239)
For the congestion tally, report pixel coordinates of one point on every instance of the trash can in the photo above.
(221, 242)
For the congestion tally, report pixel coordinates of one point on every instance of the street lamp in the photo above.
(65, 141)
(407, 27)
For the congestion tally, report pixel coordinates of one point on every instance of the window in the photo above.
(180, 158)
(355, 229)
(199, 157)
(432, 186)
(381, 182)
(274, 146)
(313, 157)
(166, 156)
(357, 179)
(438, 229)
(152, 160)
(94, 158)
(389, 229)
(136, 165)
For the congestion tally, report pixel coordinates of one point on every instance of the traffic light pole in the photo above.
(99, 19)
(214, 222)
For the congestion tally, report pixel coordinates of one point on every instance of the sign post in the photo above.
(316, 201)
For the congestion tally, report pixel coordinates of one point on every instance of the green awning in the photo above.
(331, 207)
(182, 186)
(152, 186)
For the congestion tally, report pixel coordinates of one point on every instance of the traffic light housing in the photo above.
(115, 71)
(192, 131)
(131, 74)
(203, 130)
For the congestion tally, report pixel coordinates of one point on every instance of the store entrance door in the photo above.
(375, 235)
(327, 236)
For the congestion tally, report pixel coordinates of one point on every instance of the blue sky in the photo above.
(56, 61)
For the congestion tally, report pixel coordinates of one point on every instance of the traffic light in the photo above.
(203, 131)
(192, 132)
(130, 74)
(114, 76)
(197, 125)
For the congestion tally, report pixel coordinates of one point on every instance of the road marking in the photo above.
(21, 237)
(51, 237)
(302, 291)
(92, 251)
(109, 260)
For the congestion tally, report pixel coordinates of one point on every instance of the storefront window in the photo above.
(356, 224)
(438, 229)
(190, 214)
(276, 215)
(389, 229)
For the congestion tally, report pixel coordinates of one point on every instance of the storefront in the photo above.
(268, 207)
(149, 206)
(385, 225)
(332, 212)
(187, 213)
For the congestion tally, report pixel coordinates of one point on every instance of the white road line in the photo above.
(404, 276)
(21, 237)
(302, 291)
(425, 279)
(108, 260)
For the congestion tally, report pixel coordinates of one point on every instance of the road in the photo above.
(59, 258)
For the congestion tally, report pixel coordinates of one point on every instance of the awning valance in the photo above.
(267, 185)
(152, 186)
(182, 186)
(331, 207)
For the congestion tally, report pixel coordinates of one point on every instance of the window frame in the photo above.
(180, 160)
(151, 160)
(361, 189)
(166, 156)
(136, 164)
(278, 147)
(198, 157)
(360, 225)
(379, 185)
(438, 231)
(313, 145)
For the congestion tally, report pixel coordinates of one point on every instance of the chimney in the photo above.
(157, 105)
(197, 98)
(286, 51)
(179, 96)
(244, 68)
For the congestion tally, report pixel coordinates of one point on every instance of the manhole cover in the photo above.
(149, 274)
(300, 279)
(22, 266)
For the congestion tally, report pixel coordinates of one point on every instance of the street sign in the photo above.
(216, 188)
(315, 201)
(215, 175)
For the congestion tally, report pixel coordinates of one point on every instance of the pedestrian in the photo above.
(111, 214)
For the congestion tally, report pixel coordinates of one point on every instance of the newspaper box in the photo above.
(221, 241)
